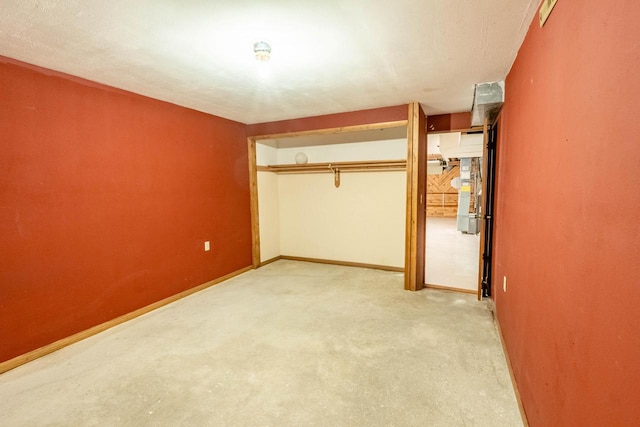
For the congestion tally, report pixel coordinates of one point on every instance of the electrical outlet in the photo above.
(504, 284)
(207, 246)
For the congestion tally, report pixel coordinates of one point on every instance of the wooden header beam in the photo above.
(329, 131)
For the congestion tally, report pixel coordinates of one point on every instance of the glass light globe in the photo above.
(301, 158)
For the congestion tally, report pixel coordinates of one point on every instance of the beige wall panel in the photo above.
(361, 221)
(269, 217)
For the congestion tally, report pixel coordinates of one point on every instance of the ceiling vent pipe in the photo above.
(487, 101)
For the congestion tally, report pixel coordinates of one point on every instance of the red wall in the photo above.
(446, 122)
(353, 118)
(568, 217)
(106, 198)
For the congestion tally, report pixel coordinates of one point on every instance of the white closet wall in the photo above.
(266, 155)
(268, 204)
(393, 149)
(269, 215)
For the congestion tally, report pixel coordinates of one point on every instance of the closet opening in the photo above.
(371, 214)
(335, 197)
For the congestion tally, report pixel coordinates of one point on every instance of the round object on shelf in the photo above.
(301, 158)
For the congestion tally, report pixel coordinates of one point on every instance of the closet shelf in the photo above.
(361, 166)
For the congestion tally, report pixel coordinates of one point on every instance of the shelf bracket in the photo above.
(336, 175)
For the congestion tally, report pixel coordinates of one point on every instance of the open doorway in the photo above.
(454, 196)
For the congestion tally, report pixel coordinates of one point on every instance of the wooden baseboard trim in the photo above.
(269, 261)
(514, 383)
(449, 288)
(57, 345)
(343, 263)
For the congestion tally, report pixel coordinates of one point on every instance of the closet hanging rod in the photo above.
(359, 166)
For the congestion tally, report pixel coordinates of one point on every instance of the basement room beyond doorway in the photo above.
(454, 188)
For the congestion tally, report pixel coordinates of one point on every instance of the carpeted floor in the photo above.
(290, 344)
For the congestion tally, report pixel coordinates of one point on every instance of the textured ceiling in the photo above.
(328, 56)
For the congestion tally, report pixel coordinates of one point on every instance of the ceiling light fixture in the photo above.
(262, 51)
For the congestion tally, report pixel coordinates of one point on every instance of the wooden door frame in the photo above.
(416, 190)
(255, 212)
(488, 215)
(415, 229)
(485, 154)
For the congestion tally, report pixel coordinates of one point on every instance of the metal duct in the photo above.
(487, 101)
